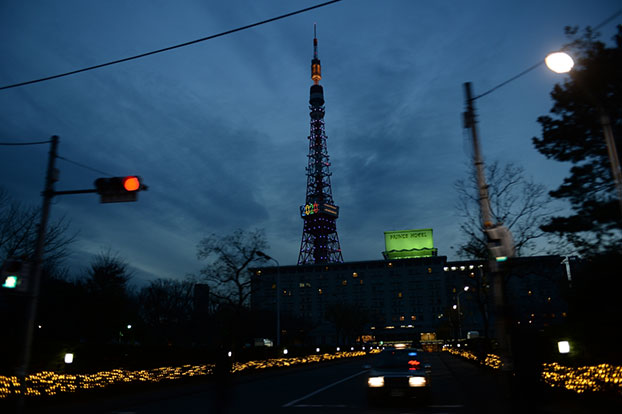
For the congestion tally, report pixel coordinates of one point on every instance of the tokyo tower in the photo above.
(320, 243)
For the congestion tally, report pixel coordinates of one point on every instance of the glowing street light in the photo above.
(559, 62)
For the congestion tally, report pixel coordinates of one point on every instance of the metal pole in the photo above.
(501, 322)
(278, 303)
(613, 154)
(35, 273)
(471, 123)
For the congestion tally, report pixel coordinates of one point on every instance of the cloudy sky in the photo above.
(218, 130)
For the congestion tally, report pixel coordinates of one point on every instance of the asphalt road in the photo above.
(457, 387)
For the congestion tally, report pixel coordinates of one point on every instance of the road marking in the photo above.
(446, 406)
(320, 406)
(289, 404)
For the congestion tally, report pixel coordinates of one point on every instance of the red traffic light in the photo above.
(131, 183)
(119, 189)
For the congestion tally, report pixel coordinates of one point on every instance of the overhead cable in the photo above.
(166, 49)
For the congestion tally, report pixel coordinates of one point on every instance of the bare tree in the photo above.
(516, 201)
(18, 232)
(166, 306)
(229, 259)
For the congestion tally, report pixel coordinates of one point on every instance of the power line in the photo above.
(24, 143)
(166, 49)
(598, 26)
(83, 166)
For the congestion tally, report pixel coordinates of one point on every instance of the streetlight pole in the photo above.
(278, 295)
(466, 289)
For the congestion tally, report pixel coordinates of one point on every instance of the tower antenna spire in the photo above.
(320, 243)
(316, 67)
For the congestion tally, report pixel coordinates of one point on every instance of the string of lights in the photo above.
(166, 49)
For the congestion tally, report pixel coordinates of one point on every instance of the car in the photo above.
(399, 374)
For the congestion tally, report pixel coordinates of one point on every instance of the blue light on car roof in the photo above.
(412, 354)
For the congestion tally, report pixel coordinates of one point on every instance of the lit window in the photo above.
(301, 284)
(274, 286)
(445, 268)
(259, 273)
(564, 314)
(453, 268)
(462, 267)
(530, 293)
(319, 291)
(344, 282)
(390, 264)
(413, 318)
(355, 274)
(361, 281)
(429, 270)
(399, 295)
(548, 299)
(402, 318)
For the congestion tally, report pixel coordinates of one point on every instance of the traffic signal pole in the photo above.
(35, 272)
(497, 278)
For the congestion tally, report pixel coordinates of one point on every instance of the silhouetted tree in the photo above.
(348, 319)
(229, 260)
(573, 133)
(18, 232)
(515, 200)
(166, 307)
(107, 301)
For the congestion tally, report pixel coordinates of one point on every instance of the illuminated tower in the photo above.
(320, 243)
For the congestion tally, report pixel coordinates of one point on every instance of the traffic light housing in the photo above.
(15, 275)
(119, 189)
(500, 242)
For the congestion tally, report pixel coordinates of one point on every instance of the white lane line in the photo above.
(289, 404)
(446, 406)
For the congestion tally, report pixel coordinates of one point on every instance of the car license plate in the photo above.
(397, 393)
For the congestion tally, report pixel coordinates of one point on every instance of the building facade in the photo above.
(340, 303)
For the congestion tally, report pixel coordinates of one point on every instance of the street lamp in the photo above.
(561, 62)
(278, 295)
(466, 289)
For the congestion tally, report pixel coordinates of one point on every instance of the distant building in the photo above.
(405, 298)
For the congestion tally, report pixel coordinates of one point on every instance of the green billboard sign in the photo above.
(405, 244)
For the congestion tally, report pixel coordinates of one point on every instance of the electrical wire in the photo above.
(24, 143)
(166, 49)
(83, 166)
(598, 26)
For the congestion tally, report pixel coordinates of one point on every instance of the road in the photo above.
(457, 387)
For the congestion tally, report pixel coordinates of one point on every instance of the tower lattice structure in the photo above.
(320, 242)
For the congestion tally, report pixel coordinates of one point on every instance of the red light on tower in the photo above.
(131, 183)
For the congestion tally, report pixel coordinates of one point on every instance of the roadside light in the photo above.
(68, 358)
(229, 354)
(129, 326)
(317, 350)
(285, 351)
(563, 347)
(338, 349)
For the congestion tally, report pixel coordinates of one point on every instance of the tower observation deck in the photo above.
(320, 243)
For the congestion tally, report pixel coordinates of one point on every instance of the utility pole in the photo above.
(51, 176)
(501, 317)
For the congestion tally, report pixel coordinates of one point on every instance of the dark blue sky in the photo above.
(218, 130)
